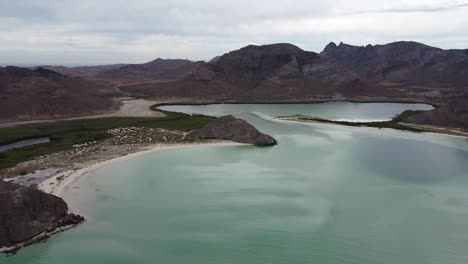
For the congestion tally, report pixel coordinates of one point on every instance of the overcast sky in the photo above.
(92, 32)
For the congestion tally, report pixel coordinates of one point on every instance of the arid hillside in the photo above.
(44, 94)
(408, 65)
(263, 73)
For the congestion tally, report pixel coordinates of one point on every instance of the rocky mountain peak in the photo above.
(331, 45)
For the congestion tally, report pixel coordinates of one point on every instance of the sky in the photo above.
(92, 32)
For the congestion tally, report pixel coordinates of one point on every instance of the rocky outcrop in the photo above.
(28, 215)
(234, 129)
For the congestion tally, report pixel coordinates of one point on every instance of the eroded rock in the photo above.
(28, 215)
(234, 129)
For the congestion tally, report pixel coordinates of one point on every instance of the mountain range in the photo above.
(397, 71)
(264, 73)
(404, 64)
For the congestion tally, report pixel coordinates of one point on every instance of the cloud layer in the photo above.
(110, 31)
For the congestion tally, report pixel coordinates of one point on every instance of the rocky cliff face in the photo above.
(234, 129)
(27, 214)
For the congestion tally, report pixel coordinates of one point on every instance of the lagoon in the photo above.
(336, 111)
(325, 194)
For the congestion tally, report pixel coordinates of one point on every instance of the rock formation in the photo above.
(28, 215)
(234, 129)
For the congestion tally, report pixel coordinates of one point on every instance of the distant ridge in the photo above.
(404, 63)
(156, 69)
(81, 71)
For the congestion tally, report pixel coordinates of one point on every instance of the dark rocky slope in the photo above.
(265, 73)
(234, 129)
(28, 215)
(44, 94)
(454, 115)
(404, 63)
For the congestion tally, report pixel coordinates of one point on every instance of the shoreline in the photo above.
(424, 129)
(307, 101)
(58, 187)
(162, 102)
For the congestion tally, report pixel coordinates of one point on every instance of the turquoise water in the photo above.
(325, 194)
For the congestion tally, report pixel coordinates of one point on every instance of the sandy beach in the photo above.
(59, 185)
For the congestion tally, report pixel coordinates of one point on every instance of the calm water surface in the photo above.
(338, 111)
(325, 194)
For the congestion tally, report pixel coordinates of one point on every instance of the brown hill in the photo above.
(263, 73)
(404, 64)
(44, 94)
(153, 70)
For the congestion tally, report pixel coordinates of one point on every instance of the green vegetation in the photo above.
(393, 124)
(64, 134)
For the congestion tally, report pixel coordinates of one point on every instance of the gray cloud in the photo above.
(105, 31)
(425, 8)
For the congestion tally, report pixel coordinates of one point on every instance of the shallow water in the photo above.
(325, 194)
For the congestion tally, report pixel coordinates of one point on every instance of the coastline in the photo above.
(307, 101)
(453, 132)
(59, 184)
(140, 110)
